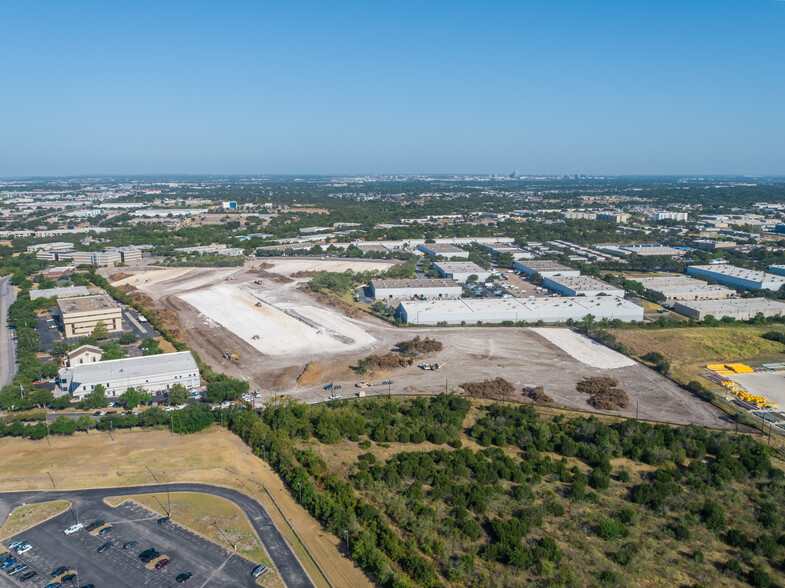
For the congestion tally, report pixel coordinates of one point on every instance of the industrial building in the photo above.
(684, 288)
(210, 250)
(460, 271)
(79, 316)
(508, 249)
(777, 269)
(106, 257)
(154, 373)
(425, 288)
(737, 308)
(59, 292)
(57, 245)
(580, 285)
(546, 268)
(443, 249)
(530, 310)
(738, 277)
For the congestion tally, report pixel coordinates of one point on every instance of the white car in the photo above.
(24, 548)
(334, 397)
(74, 528)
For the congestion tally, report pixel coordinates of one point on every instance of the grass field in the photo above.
(214, 456)
(30, 515)
(214, 518)
(689, 349)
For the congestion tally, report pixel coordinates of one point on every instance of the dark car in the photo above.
(94, 525)
(104, 547)
(162, 563)
(88, 586)
(4, 556)
(60, 570)
(163, 520)
(26, 576)
(105, 530)
(147, 558)
(259, 571)
(68, 578)
(53, 585)
(183, 577)
(130, 544)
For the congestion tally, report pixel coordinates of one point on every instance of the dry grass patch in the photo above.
(28, 516)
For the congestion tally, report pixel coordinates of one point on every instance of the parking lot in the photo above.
(210, 564)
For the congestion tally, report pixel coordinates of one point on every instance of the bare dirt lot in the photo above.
(225, 310)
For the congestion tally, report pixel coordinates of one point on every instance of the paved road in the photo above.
(7, 347)
(290, 569)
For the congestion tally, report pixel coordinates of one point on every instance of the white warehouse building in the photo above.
(530, 310)
(737, 308)
(154, 373)
(546, 268)
(443, 249)
(427, 288)
(738, 277)
(461, 270)
(577, 285)
(684, 288)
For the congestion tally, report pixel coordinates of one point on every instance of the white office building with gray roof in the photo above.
(154, 373)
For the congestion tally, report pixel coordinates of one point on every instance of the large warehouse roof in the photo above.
(584, 284)
(135, 367)
(415, 283)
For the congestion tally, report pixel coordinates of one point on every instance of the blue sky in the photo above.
(537, 86)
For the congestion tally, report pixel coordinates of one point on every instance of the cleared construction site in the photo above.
(262, 324)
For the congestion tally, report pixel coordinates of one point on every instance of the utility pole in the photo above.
(47, 434)
(346, 532)
(636, 410)
(299, 487)
(111, 429)
(264, 452)
(171, 421)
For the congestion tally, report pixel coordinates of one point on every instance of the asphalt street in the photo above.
(7, 347)
(290, 569)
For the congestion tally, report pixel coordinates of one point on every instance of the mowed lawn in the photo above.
(30, 515)
(690, 349)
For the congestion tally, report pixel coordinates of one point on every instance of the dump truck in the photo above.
(364, 384)
(231, 356)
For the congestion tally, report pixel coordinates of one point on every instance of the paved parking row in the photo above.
(210, 564)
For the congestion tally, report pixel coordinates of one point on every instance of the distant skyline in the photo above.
(665, 87)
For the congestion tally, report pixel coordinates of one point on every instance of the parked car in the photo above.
(94, 525)
(8, 563)
(22, 549)
(74, 528)
(68, 577)
(164, 562)
(334, 397)
(17, 568)
(27, 575)
(259, 571)
(130, 544)
(104, 547)
(53, 585)
(163, 520)
(183, 577)
(106, 530)
(60, 570)
(4, 556)
(15, 544)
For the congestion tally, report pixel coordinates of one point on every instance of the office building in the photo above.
(80, 316)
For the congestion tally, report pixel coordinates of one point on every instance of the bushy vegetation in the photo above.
(498, 515)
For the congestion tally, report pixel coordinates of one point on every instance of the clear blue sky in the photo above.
(538, 86)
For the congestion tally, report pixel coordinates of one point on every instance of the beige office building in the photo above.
(80, 315)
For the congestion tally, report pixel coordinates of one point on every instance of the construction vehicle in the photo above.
(361, 394)
(408, 361)
(255, 337)
(364, 385)
(332, 386)
(259, 304)
(232, 356)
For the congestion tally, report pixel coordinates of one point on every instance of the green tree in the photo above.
(84, 423)
(61, 402)
(63, 425)
(95, 399)
(178, 394)
(127, 339)
(101, 331)
(131, 398)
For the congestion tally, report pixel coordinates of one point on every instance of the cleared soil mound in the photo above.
(119, 276)
(386, 361)
(304, 274)
(603, 393)
(496, 388)
(419, 346)
(537, 394)
(313, 373)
